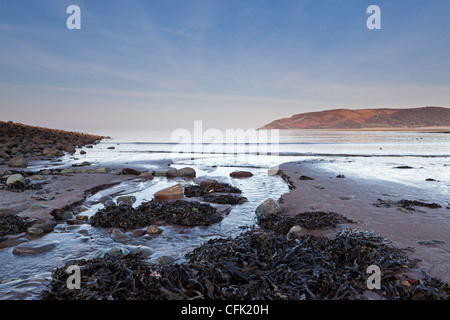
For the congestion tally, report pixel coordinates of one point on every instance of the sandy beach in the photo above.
(425, 230)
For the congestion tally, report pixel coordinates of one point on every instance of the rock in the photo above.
(153, 230)
(130, 171)
(12, 242)
(103, 170)
(115, 251)
(170, 193)
(35, 247)
(171, 173)
(295, 231)
(165, 260)
(159, 173)
(4, 172)
(138, 233)
(104, 199)
(37, 177)
(128, 200)
(52, 152)
(110, 203)
(34, 231)
(4, 155)
(37, 207)
(68, 171)
(241, 174)
(82, 152)
(70, 149)
(144, 251)
(111, 148)
(146, 175)
(186, 172)
(46, 226)
(66, 215)
(205, 181)
(74, 222)
(267, 209)
(119, 236)
(15, 178)
(17, 162)
(340, 176)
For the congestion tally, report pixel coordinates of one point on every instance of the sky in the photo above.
(163, 64)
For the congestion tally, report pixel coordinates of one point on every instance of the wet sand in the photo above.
(353, 197)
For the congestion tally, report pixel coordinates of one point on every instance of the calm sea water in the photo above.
(370, 155)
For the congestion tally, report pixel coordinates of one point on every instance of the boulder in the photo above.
(15, 178)
(267, 209)
(52, 152)
(241, 174)
(17, 162)
(170, 193)
(82, 152)
(130, 171)
(186, 172)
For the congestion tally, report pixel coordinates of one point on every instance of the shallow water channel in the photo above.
(23, 276)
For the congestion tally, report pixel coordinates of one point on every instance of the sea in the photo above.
(364, 154)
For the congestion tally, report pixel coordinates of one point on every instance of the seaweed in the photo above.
(255, 265)
(310, 220)
(13, 224)
(206, 189)
(180, 212)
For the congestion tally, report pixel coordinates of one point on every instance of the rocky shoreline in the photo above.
(315, 242)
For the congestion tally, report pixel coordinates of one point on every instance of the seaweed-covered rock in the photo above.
(309, 220)
(13, 224)
(207, 187)
(188, 213)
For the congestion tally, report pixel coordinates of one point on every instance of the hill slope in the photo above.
(365, 118)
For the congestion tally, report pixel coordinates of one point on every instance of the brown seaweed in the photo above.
(180, 212)
(310, 220)
(255, 265)
(13, 224)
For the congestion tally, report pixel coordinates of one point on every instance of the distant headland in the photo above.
(367, 119)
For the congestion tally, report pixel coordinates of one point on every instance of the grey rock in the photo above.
(15, 178)
(144, 251)
(119, 236)
(295, 232)
(128, 200)
(35, 247)
(67, 215)
(104, 199)
(267, 209)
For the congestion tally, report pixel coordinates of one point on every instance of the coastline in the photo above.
(425, 231)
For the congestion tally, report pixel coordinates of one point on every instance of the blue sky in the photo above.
(144, 64)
